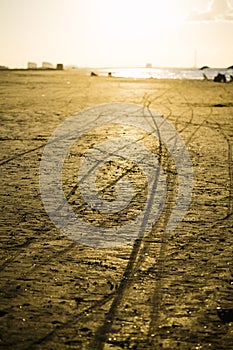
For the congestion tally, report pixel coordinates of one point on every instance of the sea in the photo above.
(164, 73)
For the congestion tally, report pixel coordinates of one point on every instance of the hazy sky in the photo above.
(116, 32)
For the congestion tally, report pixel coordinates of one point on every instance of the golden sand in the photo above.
(56, 294)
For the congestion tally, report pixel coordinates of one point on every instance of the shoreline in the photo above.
(87, 73)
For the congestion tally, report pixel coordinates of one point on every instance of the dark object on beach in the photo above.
(3, 313)
(220, 78)
(231, 79)
(225, 315)
(59, 66)
(93, 74)
(110, 74)
(205, 76)
(204, 67)
(223, 104)
(220, 105)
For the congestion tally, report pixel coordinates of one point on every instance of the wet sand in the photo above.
(166, 291)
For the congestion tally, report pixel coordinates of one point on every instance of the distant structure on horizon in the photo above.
(59, 66)
(32, 65)
(47, 65)
(149, 65)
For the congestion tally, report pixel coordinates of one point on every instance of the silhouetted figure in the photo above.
(110, 74)
(205, 76)
(93, 74)
(220, 78)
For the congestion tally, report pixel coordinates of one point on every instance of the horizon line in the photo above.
(74, 66)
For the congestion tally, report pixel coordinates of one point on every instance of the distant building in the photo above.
(3, 68)
(59, 66)
(149, 65)
(32, 65)
(47, 65)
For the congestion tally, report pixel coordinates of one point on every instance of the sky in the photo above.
(108, 33)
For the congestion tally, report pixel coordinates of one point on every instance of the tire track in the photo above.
(140, 247)
(71, 321)
(21, 154)
(137, 255)
(157, 295)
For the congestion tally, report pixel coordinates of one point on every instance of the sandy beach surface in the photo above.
(165, 291)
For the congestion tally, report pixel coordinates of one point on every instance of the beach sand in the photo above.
(58, 294)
